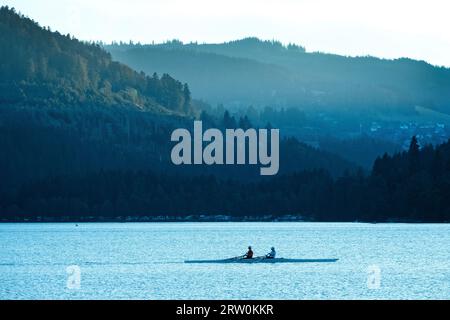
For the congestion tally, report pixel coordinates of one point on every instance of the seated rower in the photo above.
(271, 254)
(249, 254)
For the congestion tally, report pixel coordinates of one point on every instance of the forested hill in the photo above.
(252, 71)
(67, 109)
(41, 67)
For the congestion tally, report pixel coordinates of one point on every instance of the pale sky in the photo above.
(383, 28)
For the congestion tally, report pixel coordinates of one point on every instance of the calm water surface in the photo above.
(145, 261)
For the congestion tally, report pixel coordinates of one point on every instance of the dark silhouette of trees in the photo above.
(389, 193)
(228, 122)
(413, 154)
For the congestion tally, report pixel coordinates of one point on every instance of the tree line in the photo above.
(407, 186)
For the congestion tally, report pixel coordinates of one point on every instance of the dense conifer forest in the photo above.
(82, 135)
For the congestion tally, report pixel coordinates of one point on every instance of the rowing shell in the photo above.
(262, 260)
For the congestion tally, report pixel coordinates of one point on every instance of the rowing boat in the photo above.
(261, 260)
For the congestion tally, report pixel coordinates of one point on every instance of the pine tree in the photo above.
(187, 99)
(413, 155)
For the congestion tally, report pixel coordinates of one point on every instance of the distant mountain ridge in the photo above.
(255, 72)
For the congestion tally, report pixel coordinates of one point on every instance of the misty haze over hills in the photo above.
(255, 72)
(313, 96)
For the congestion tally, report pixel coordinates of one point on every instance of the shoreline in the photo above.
(193, 218)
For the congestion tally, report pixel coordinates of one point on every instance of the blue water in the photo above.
(145, 261)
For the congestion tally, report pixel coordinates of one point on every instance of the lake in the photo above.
(146, 261)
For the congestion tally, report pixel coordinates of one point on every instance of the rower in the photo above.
(271, 254)
(249, 254)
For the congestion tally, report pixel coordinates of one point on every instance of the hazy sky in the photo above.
(384, 28)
